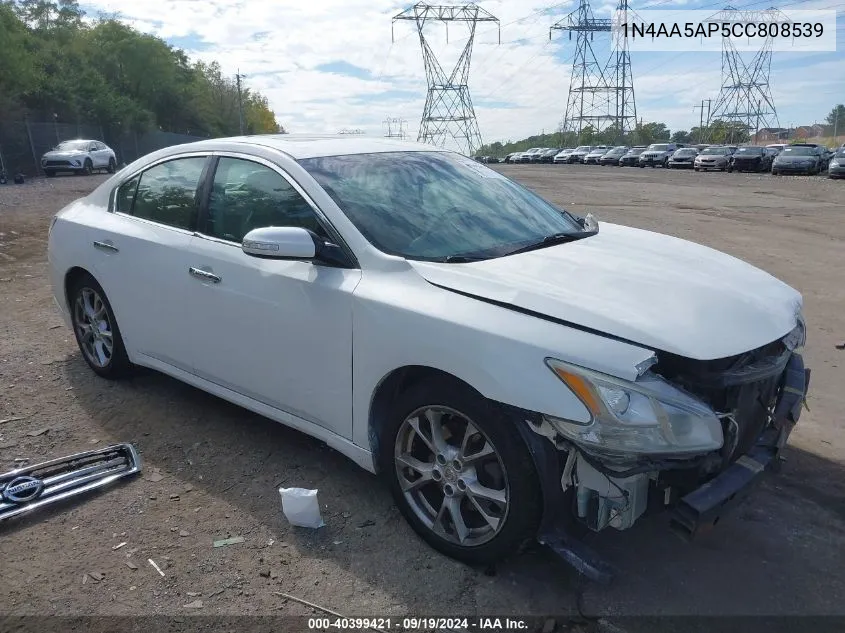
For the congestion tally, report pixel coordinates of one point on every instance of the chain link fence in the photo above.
(23, 143)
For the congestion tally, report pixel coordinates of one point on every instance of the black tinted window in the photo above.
(247, 195)
(167, 193)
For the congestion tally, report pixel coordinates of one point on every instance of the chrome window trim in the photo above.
(321, 217)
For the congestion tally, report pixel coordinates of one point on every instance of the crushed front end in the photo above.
(693, 440)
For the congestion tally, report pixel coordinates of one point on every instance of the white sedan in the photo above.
(512, 370)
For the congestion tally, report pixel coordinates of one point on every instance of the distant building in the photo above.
(808, 131)
(771, 135)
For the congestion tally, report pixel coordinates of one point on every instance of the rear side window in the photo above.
(166, 193)
(125, 197)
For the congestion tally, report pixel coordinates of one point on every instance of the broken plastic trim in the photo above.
(28, 488)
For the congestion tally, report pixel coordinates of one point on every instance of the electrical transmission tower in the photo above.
(395, 128)
(745, 100)
(600, 95)
(448, 108)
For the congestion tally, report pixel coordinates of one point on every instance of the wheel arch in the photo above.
(71, 276)
(391, 386)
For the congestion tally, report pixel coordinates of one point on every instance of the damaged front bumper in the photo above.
(581, 491)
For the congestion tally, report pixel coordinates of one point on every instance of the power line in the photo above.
(448, 110)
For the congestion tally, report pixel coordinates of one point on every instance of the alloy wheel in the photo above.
(93, 327)
(451, 475)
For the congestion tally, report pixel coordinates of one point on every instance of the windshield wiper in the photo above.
(460, 259)
(550, 240)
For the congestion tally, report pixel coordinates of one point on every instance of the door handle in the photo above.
(106, 246)
(204, 275)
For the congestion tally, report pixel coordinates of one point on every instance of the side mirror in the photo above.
(293, 242)
(280, 242)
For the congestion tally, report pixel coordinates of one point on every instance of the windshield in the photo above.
(436, 205)
(583, 148)
(799, 151)
(637, 151)
(686, 152)
(715, 151)
(657, 147)
(617, 151)
(750, 150)
(69, 145)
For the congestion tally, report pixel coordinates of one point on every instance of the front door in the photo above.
(277, 331)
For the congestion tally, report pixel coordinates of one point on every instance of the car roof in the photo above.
(301, 146)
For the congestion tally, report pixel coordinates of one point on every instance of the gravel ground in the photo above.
(212, 469)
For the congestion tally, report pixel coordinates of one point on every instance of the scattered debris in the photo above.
(301, 507)
(228, 541)
(155, 476)
(283, 544)
(367, 523)
(54, 327)
(196, 604)
(273, 574)
(264, 573)
(184, 533)
(96, 576)
(131, 565)
(38, 432)
(841, 346)
(337, 542)
(216, 593)
(119, 545)
(156, 567)
(189, 488)
(308, 604)
(12, 419)
(93, 440)
(174, 497)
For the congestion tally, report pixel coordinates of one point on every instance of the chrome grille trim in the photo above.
(70, 476)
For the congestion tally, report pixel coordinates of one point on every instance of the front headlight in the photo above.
(646, 417)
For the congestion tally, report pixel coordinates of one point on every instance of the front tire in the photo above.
(88, 168)
(112, 166)
(96, 329)
(460, 472)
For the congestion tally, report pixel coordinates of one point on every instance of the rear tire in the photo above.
(96, 330)
(112, 166)
(496, 498)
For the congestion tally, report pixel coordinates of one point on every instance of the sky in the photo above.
(329, 65)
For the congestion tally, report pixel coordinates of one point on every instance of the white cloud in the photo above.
(280, 44)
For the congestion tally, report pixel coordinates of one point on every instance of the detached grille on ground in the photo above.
(28, 488)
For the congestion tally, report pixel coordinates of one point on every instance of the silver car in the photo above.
(79, 156)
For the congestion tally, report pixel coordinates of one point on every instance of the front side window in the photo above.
(166, 193)
(436, 205)
(247, 195)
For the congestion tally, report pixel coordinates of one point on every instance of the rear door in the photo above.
(143, 258)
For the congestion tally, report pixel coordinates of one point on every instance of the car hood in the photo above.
(75, 153)
(712, 157)
(661, 292)
(795, 159)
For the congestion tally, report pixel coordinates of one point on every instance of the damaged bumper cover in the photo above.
(765, 396)
(702, 508)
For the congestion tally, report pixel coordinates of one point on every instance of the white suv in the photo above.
(79, 156)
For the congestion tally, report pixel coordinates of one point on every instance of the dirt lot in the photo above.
(783, 553)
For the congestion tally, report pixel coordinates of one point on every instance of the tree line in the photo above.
(55, 65)
(716, 132)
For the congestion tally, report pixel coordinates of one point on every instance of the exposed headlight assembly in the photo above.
(646, 417)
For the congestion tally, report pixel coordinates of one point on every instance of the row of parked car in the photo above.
(779, 158)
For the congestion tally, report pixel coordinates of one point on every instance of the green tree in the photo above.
(836, 120)
(681, 136)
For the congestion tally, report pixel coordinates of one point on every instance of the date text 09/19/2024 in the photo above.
(493, 623)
